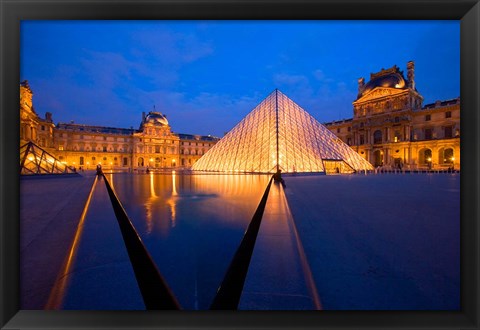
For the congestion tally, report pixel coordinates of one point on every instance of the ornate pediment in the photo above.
(380, 92)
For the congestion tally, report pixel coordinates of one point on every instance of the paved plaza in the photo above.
(342, 242)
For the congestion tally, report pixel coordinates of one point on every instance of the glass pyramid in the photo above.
(35, 160)
(279, 134)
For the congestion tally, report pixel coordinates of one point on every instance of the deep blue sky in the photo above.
(207, 75)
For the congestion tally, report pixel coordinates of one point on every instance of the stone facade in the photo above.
(152, 146)
(392, 129)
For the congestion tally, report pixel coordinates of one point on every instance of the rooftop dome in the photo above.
(390, 78)
(156, 118)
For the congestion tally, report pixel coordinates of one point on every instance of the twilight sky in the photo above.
(207, 75)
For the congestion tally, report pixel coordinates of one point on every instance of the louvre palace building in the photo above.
(153, 145)
(391, 127)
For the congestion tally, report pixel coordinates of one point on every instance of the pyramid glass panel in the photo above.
(34, 161)
(279, 134)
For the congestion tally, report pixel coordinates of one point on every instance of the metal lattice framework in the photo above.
(279, 134)
(35, 160)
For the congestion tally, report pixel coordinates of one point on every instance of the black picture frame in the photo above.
(13, 11)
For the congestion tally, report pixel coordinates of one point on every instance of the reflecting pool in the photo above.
(190, 224)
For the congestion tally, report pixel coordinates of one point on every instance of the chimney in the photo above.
(411, 75)
(143, 115)
(48, 117)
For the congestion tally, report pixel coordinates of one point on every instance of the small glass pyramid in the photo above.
(279, 134)
(35, 160)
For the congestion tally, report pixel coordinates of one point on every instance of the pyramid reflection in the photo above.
(279, 134)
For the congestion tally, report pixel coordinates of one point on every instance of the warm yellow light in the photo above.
(73, 163)
(111, 163)
(429, 159)
(151, 159)
(88, 163)
(30, 158)
(453, 158)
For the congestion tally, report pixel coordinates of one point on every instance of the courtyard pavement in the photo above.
(381, 242)
(362, 242)
(50, 209)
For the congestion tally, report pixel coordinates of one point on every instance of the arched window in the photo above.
(140, 161)
(377, 137)
(448, 156)
(425, 156)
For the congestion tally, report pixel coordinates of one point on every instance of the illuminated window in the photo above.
(60, 147)
(397, 137)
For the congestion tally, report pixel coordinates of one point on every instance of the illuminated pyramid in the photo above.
(280, 134)
(34, 161)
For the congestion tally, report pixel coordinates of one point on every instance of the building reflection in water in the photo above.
(149, 205)
(171, 202)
